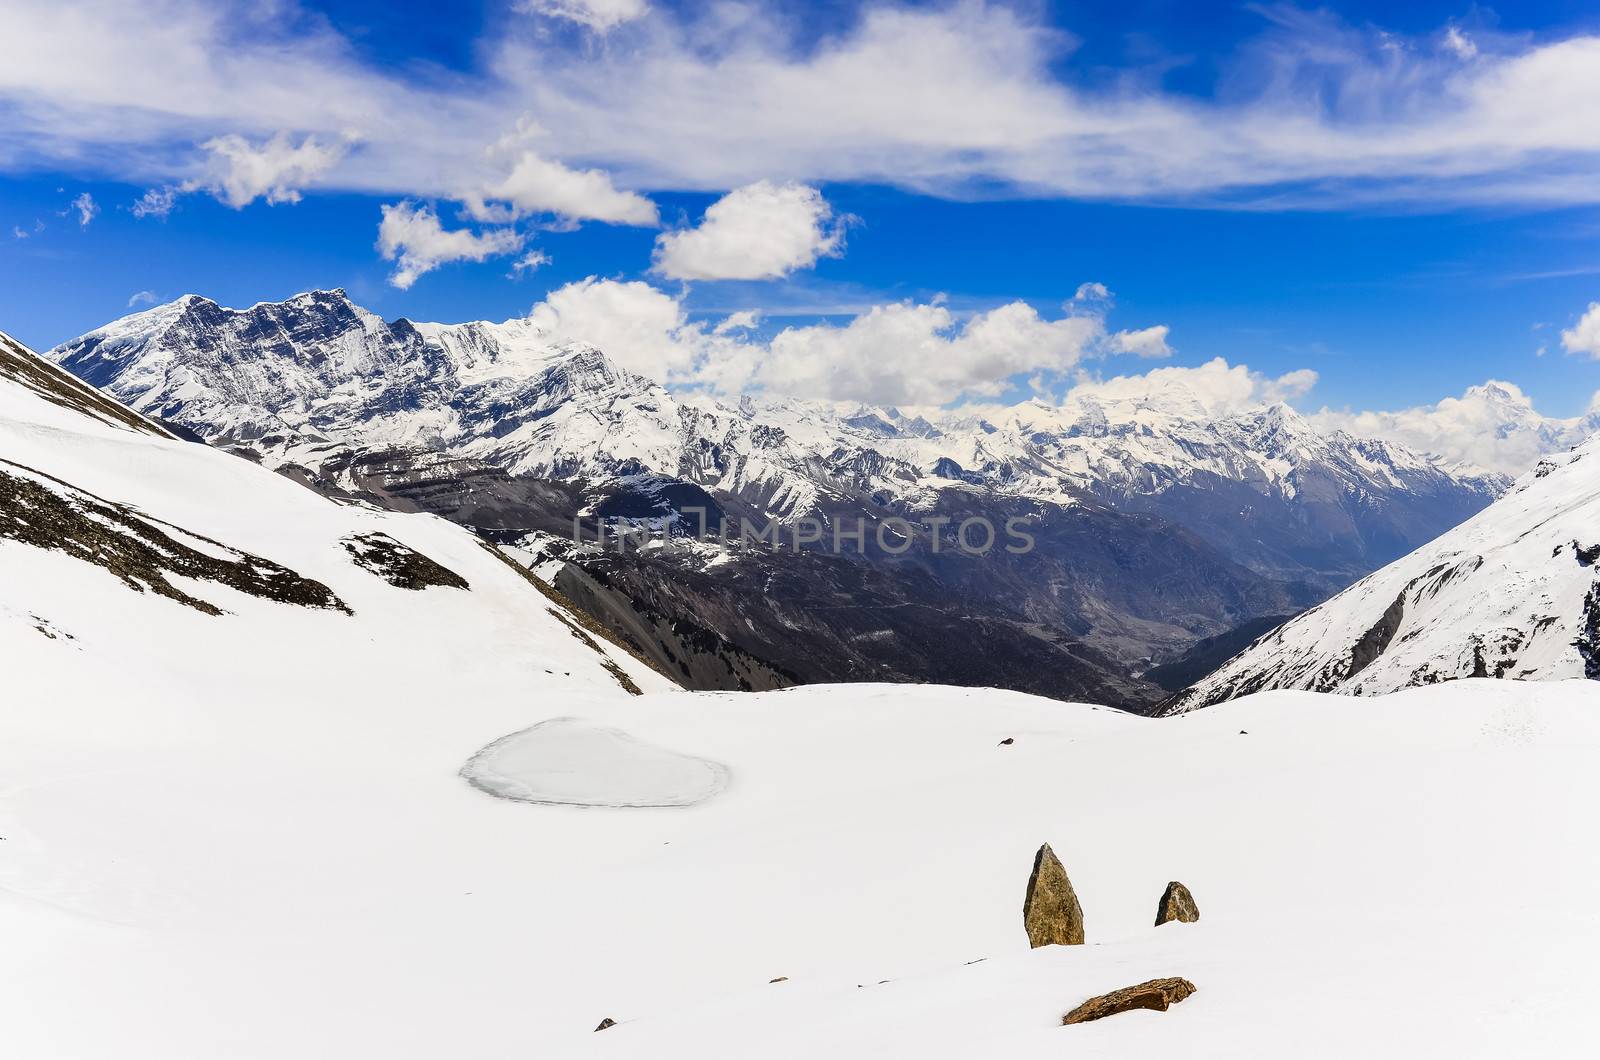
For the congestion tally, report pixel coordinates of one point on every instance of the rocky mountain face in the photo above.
(1513, 593)
(1155, 523)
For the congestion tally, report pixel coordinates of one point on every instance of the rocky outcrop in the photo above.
(606, 1023)
(399, 565)
(1177, 904)
(1156, 994)
(144, 553)
(1050, 910)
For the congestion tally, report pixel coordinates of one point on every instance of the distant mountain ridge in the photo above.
(1158, 523)
(294, 381)
(1513, 592)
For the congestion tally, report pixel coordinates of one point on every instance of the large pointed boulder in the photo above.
(1050, 910)
(1177, 904)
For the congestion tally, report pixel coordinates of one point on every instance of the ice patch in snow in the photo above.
(572, 762)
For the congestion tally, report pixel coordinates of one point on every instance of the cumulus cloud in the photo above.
(155, 202)
(1146, 342)
(276, 169)
(1494, 426)
(639, 327)
(411, 236)
(905, 353)
(1584, 336)
(87, 209)
(600, 15)
(760, 231)
(142, 298)
(1215, 388)
(540, 185)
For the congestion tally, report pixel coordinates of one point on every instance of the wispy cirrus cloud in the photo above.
(957, 99)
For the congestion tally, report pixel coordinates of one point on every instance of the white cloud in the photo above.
(17, 232)
(1146, 342)
(156, 202)
(1093, 293)
(1584, 336)
(760, 231)
(919, 354)
(87, 209)
(904, 353)
(275, 169)
(142, 298)
(639, 327)
(598, 15)
(1459, 44)
(1494, 426)
(533, 259)
(966, 99)
(540, 185)
(411, 236)
(1215, 388)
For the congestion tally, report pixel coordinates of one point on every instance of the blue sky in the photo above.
(1403, 201)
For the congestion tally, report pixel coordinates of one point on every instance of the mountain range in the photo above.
(1513, 593)
(1158, 525)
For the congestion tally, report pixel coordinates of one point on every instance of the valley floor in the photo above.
(266, 877)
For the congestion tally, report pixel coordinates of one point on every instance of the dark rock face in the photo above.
(1050, 909)
(1375, 640)
(40, 510)
(398, 564)
(607, 1022)
(1156, 994)
(1211, 652)
(1588, 642)
(1177, 904)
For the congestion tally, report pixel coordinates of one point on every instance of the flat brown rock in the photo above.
(1050, 910)
(1157, 994)
(1177, 904)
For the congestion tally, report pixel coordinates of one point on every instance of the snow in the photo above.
(246, 835)
(571, 762)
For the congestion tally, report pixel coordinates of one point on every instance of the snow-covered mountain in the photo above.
(1514, 592)
(302, 382)
(134, 559)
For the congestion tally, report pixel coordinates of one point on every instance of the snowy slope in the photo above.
(1513, 592)
(131, 558)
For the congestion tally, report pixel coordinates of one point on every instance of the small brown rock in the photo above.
(1050, 909)
(1157, 994)
(607, 1022)
(780, 979)
(1177, 904)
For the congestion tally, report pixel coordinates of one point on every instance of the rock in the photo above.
(1157, 994)
(1177, 904)
(1008, 741)
(607, 1022)
(780, 979)
(1050, 910)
